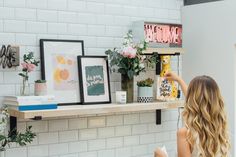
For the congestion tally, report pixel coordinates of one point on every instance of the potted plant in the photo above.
(145, 90)
(129, 61)
(6, 139)
(28, 65)
(40, 87)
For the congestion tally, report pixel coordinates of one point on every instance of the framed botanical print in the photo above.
(59, 67)
(94, 79)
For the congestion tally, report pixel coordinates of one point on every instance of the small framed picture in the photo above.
(94, 79)
(59, 67)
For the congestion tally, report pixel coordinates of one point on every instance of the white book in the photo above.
(15, 103)
(30, 99)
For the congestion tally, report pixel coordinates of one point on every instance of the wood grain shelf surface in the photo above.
(83, 110)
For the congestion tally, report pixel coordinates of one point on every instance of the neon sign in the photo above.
(166, 34)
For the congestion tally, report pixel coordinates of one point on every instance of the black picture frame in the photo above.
(70, 49)
(106, 78)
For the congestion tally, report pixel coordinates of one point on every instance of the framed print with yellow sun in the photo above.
(60, 68)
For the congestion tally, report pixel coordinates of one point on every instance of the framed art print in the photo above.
(59, 67)
(94, 79)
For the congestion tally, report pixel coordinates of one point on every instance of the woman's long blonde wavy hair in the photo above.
(205, 118)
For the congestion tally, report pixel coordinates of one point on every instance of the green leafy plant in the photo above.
(13, 136)
(145, 83)
(40, 81)
(129, 60)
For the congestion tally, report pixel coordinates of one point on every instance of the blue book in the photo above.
(34, 107)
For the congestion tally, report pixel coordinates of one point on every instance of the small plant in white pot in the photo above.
(40, 87)
(145, 90)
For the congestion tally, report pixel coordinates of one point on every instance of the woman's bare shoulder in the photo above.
(182, 132)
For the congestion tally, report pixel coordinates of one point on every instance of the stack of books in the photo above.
(28, 103)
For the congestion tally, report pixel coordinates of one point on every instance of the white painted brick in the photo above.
(36, 27)
(139, 150)
(21, 126)
(122, 20)
(153, 147)
(105, 42)
(117, 86)
(48, 138)
(67, 17)
(147, 117)
(106, 132)
(131, 118)
(13, 3)
(34, 49)
(9, 89)
(96, 30)
(46, 36)
(80, 146)
(113, 9)
(87, 134)
(1, 25)
(123, 130)
(10, 26)
(170, 125)
(115, 31)
(1, 2)
(96, 144)
(75, 5)
(39, 126)
(105, 19)
(154, 128)
(89, 41)
(95, 51)
(69, 155)
(115, 77)
(115, 142)
(139, 129)
(161, 13)
(57, 4)
(86, 18)
(13, 152)
(146, 12)
(58, 149)
(174, 14)
(47, 15)
(147, 138)
(88, 154)
(57, 28)
(1, 77)
(7, 13)
(130, 11)
(69, 37)
(9, 75)
(163, 136)
(93, 7)
(114, 120)
(106, 153)
(36, 3)
(78, 123)
(131, 140)
(170, 4)
(58, 125)
(94, 122)
(68, 136)
(77, 29)
(25, 14)
(38, 151)
(124, 152)
(26, 39)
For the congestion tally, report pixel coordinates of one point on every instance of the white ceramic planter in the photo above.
(40, 89)
(145, 94)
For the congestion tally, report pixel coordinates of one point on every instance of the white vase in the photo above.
(40, 89)
(145, 94)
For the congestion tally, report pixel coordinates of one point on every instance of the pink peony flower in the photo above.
(24, 65)
(129, 52)
(30, 67)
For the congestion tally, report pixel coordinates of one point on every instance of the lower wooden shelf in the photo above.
(83, 110)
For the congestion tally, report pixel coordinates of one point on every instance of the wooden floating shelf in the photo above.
(164, 50)
(83, 110)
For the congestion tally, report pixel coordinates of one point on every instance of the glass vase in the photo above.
(25, 88)
(127, 85)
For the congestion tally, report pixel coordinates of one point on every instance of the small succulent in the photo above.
(145, 83)
(40, 81)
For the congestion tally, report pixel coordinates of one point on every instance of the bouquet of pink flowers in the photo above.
(128, 59)
(28, 66)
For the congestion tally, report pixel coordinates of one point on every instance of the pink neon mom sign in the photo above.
(170, 34)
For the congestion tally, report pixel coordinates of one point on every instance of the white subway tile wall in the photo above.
(101, 24)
